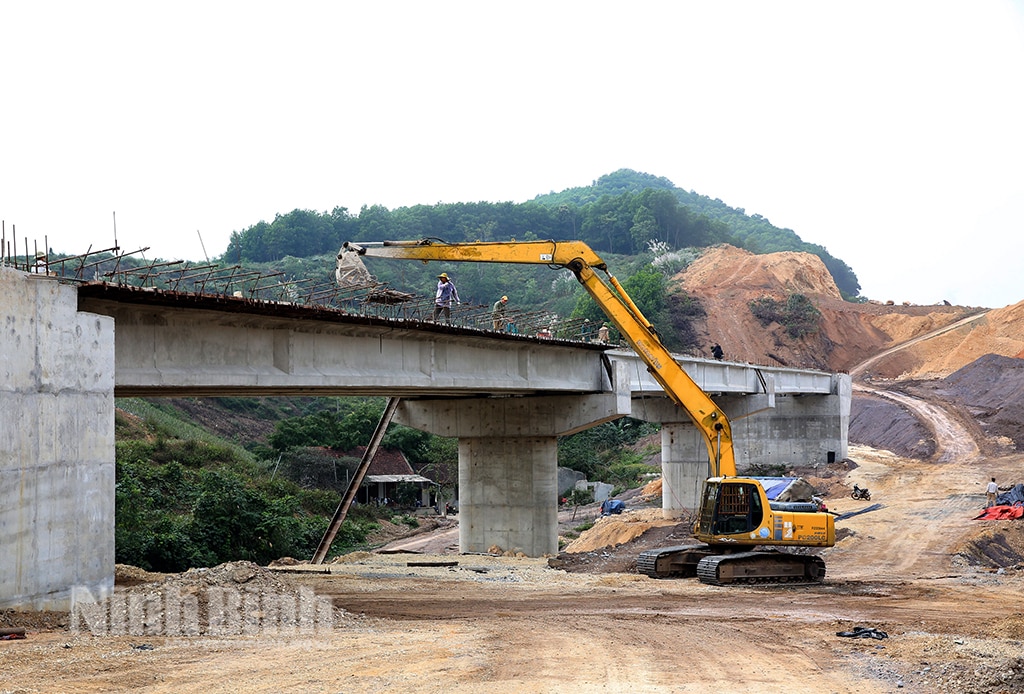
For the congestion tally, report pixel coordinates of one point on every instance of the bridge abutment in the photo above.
(56, 447)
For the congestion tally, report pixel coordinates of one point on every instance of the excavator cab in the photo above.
(737, 511)
(731, 507)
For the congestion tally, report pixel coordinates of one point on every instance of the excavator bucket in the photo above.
(350, 271)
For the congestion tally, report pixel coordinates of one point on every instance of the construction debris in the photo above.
(864, 633)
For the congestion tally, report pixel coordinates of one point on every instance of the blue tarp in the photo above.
(775, 486)
(1011, 497)
(612, 506)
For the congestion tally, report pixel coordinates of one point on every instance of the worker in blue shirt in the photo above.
(446, 293)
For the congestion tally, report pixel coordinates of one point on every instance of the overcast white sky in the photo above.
(889, 132)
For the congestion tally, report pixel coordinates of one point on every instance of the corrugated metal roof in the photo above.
(397, 478)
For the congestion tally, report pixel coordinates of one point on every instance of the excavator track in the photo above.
(669, 562)
(760, 567)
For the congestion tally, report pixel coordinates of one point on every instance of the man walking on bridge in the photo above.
(498, 313)
(446, 293)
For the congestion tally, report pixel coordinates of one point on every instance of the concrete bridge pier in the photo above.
(684, 454)
(804, 430)
(508, 494)
(684, 467)
(508, 460)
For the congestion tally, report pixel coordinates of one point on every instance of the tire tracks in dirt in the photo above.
(914, 525)
(953, 440)
(858, 370)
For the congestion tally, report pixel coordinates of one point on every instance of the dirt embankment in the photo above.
(726, 279)
(967, 358)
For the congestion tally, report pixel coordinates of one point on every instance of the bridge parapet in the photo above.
(731, 377)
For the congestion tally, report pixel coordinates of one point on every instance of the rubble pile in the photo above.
(611, 531)
(235, 598)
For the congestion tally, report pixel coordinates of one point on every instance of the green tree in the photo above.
(797, 315)
(318, 429)
(442, 464)
(646, 287)
(224, 517)
(356, 428)
(645, 228)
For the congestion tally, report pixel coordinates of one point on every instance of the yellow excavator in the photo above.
(736, 525)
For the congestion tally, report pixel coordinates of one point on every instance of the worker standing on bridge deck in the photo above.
(446, 293)
(498, 313)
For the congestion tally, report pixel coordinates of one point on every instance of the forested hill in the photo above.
(622, 213)
(751, 232)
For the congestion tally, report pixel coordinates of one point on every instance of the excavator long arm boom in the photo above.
(613, 300)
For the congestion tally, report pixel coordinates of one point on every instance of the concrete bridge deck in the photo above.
(172, 344)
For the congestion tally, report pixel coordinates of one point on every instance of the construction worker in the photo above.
(991, 492)
(446, 293)
(498, 313)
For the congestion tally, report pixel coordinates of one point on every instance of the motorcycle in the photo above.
(859, 493)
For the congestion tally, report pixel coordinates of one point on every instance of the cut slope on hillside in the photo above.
(726, 279)
(1000, 331)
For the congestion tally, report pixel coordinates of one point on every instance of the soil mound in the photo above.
(884, 424)
(724, 280)
(997, 547)
(126, 575)
(621, 558)
(611, 531)
(774, 274)
(992, 389)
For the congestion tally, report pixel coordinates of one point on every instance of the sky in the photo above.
(891, 132)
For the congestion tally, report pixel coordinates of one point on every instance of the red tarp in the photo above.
(1002, 512)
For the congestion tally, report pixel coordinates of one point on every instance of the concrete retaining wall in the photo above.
(56, 445)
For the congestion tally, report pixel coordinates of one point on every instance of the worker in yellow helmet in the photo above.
(446, 294)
